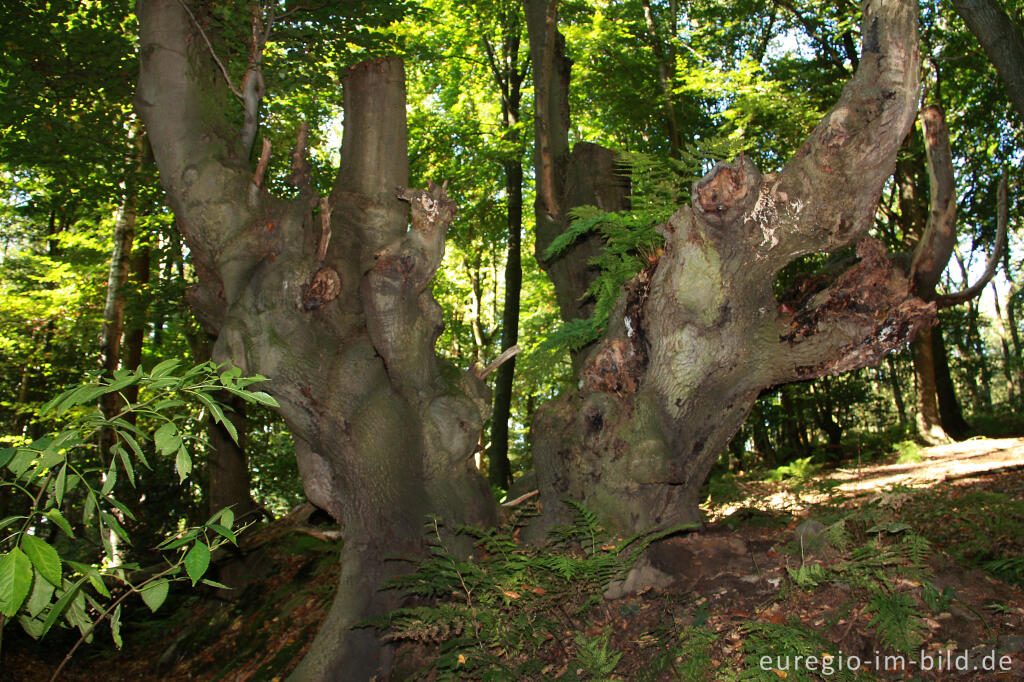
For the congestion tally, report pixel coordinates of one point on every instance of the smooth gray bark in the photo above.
(328, 297)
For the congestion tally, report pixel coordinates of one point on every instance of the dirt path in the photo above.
(940, 463)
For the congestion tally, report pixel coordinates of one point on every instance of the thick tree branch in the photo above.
(948, 300)
(826, 196)
(253, 87)
(936, 244)
(198, 167)
(866, 313)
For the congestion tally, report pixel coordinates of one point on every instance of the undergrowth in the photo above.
(511, 610)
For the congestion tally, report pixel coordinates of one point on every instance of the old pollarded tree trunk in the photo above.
(328, 297)
(698, 335)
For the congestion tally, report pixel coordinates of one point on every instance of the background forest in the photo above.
(94, 274)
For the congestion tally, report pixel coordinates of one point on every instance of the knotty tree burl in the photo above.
(329, 297)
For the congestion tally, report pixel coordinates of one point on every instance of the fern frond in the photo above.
(896, 621)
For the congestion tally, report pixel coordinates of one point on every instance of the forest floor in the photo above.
(887, 570)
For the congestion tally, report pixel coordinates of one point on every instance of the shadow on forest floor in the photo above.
(911, 571)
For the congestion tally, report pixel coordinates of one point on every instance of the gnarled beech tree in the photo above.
(699, 334)
(329, 298)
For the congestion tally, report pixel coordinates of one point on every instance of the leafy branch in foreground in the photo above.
(62, 476)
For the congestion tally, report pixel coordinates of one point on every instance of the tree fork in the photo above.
(698, 335)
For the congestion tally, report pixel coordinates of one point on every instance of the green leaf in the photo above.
(264, 399)
(44, 558)
(90, 507)
(155, 593)
(227, 518)
(113, 523)
(77, 616)
(110, 480)
(197, 561)
(57, 610)
(223, 532)
(183, 463)
(214, 583)
(229, 427)
(229, 378)
(164, 368)
(136, 448)
(167, 439)
(174, 543)
(58, 520)
(118, 384)
(6, 455)
(22, 460)
(39, 598)
(115, 627)
(61, 484)
(51, 457)
(123, 509)
(8, 520)
(126, 462)
(33, 627)
(15, 581)
(96, 580)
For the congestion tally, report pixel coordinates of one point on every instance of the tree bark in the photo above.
(699, 334)
(929, 260)
(950, 414)
(330, 299)
(587, 176)
(1002, 41)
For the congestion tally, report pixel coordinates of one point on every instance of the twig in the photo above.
(520, 499)
(510, 352)
(103, 616)
(223, 70)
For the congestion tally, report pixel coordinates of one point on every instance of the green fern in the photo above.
(594, 659)
(782, 644)
(896, 621)
(494, 615)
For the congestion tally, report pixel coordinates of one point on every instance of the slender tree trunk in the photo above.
(897, 390)
(949, 407)
(509, 79)
(135, 333)
(929, 423)
(1009, 364)
(824, 411)
(113, 309)
(499, 469)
